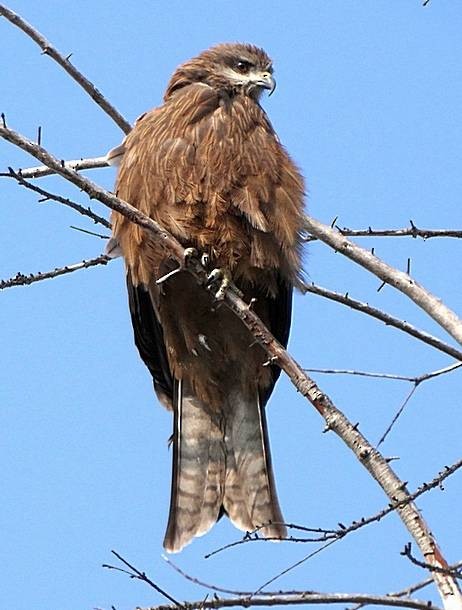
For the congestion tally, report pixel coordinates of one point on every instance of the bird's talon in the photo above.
(222, 277)
(189, 255)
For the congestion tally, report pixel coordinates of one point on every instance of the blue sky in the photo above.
(368, 104)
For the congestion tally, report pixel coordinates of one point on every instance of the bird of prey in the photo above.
(208, 167)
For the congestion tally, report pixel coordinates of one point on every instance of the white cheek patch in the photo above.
(242, 79)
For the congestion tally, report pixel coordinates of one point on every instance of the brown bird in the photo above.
(208, 166)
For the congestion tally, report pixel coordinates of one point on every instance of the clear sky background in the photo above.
(368, 103)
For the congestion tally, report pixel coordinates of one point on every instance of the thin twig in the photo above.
(336, 421)
(135, 573)
(417, 381)
(24, 280)
(51, 51)
(396, 416)
(302, 598)
(334, 535)
(47, 195)
(403, 282)
(87, 232)
(201, 583)
(389, 320)
(420, 585)
(43, 170)
(427, 566)
(360, 374)
(411, 231)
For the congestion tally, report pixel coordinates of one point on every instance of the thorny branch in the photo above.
(44, 170)
(46, 196)
(23, 280)
(419, 585)
(302, 598)
(411, 231)
(135, 573)
(389, 320)
(336, 421)
(51, 51)
(402, 593)
(270, 598)
(416, 380)
(343, 530)
(403, 282)
(423, 564)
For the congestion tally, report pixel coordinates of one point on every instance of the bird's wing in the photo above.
(149, 339)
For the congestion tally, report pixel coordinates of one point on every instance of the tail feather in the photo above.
(198, 472)
(251, 482)
(219, 465)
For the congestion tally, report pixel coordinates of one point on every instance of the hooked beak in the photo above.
(267, 81)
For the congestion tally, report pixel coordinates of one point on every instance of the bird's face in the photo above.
(234, 68)
(246, 72)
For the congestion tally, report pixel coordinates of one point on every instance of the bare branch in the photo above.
(23, 280)
(420, 585)
(44, 170)
(87, 232)
(360, 374)
(334, 535)
(411, 231)
(47, 196)
(303, 597)
(384, 317)
(403, 282)
(417, 381)
(135, 573)
(336, 421)
(396, 416)
(49, 49)
(423, 564)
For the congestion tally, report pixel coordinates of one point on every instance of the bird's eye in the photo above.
(243, 66)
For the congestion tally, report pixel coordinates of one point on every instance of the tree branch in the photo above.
(336, 421)
(343, 530)
(23, 280)
(49, 49)
(384, 317)
(44, 170)
(47, 196)
(403, 282)
(411, 231)
(303, 597)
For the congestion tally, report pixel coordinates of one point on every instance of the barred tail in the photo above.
(220, 464)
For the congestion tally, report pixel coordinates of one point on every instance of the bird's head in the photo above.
(234, 68)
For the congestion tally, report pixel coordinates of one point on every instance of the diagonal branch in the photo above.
(49, 49)
(403, 282)
(44, 170)
(339, 534)
(389, 320)
(336, 421)
(23, 280)
(65, 201)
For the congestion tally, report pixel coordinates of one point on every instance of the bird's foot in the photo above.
(190, 254)
(219, 280)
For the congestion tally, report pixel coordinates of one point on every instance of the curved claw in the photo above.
(223, 278)
(190, 254)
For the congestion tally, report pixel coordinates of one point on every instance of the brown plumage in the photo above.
(208, 166)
